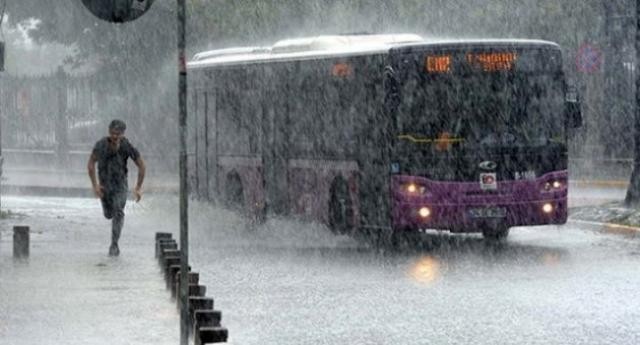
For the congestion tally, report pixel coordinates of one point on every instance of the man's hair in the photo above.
(118, 125)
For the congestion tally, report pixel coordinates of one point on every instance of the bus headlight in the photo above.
(547, 208)
(424, 212)
(554, 185)
(414, 189)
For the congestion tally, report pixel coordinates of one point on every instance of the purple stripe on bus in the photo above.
(454, 205)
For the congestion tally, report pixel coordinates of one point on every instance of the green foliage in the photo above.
(8, 214)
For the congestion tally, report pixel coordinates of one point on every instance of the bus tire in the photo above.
(234, 192)
(340, 208)
(495, 234)
(404, 239)
(259, 216)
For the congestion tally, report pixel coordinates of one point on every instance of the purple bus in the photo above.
(386, 134)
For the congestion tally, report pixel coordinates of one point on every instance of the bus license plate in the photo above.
(488, 212)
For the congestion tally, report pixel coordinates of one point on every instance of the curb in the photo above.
(600, 183)
(609, 228)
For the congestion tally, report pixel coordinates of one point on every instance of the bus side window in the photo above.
(234, 137)
(303, 111)
(342, 102)
(391, 90)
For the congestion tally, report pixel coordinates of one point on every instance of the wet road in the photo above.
(292, 283)
(556, 285)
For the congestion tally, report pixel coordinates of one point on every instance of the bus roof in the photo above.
(340, 46)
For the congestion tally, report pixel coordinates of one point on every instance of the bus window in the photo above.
(303, 113)
(239, 115)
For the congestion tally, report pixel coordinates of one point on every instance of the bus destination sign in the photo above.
(487, 62)
(492, 62)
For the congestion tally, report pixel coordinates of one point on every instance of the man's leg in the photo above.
(117, 222)
(107, 206)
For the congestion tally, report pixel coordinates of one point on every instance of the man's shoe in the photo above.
(114, 250)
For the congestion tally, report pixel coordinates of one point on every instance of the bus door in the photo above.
(212, 143)
(201, 145)
(275, 144)
(374, 156)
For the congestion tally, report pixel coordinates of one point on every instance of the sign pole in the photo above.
(119, 11)
(184, 202)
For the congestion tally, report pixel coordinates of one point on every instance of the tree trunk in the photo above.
(633, 194)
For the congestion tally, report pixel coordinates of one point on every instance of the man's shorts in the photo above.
(113, 202)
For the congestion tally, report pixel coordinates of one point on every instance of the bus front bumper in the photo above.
(473, 218)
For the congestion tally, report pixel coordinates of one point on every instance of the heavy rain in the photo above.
(338, 171)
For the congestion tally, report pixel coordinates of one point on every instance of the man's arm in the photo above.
(142, 169)
(91, 169)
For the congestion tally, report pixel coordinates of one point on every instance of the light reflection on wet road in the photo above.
(293, 283)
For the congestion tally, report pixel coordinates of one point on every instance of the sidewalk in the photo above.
(69, 291)
(611, 217)
(592, 193)
(600, 206)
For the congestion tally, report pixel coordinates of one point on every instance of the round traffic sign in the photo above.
(118, 11)
(589, 59)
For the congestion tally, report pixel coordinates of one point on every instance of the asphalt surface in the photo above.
(289, 282)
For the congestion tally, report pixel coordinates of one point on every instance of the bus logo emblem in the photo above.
(489, 181)
(488, 165)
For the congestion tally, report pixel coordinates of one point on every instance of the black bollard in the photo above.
(167, 252)
(170, 274)
(197, 290)
(20, 242)
(163, 235)
(168, 261)
(206, 318)
(164, 246)
(199, 303)
(194, 291)
(194, 278)
(210, 335)
(165, 243)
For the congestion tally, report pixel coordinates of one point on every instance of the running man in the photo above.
(111, 153)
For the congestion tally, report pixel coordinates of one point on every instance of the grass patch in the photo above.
(632, 221)
(9, 214)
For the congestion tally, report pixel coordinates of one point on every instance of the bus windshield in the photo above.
(482, 110)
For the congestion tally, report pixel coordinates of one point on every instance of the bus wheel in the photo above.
(340, 208)
(234, 193)
(495, 234)
(402, 239)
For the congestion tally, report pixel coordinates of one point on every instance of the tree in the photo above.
(139, 55)
(633, 193)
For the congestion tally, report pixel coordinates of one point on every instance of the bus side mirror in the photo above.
(573, 110)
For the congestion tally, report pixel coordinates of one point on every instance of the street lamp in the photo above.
(184, 201)
(1, 56)
(1, 69)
